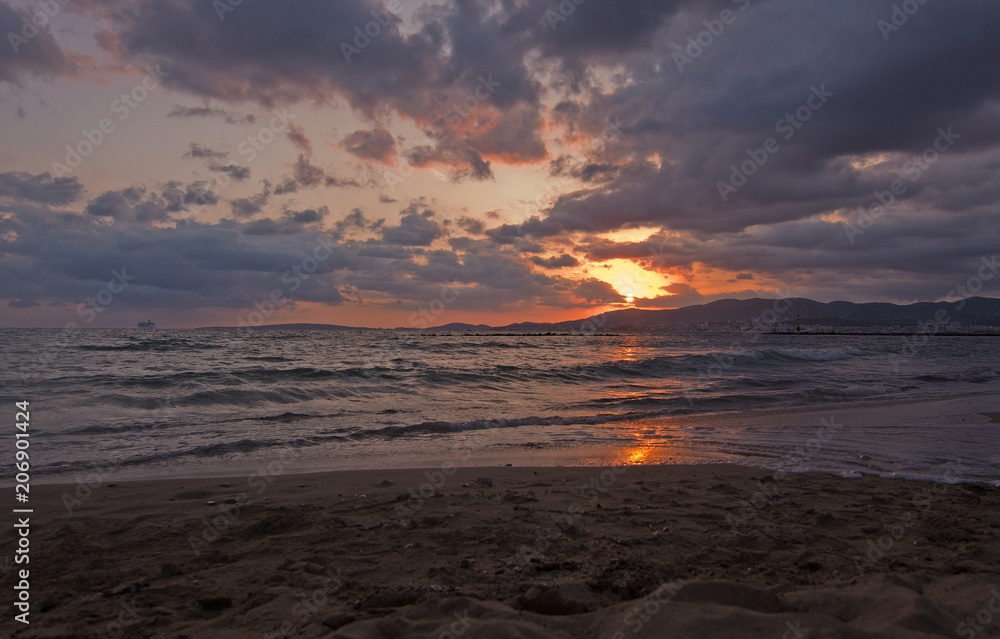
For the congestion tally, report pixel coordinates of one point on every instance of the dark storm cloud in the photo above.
(28, 49)
(58, 258)
(43, 188)
(115, 204)
(290, 223)
(889, 97)
(415, 228)
(136, 204)
(642, 136)
(463, 54)
(560, 261)
(596, 291)
(192, 265)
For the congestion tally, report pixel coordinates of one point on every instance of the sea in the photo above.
(163, 403)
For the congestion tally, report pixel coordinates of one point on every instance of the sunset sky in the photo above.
(495, 161)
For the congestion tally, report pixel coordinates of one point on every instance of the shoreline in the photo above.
(627, 442)
(553, 550)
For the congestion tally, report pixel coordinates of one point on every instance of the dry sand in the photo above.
(640, 551)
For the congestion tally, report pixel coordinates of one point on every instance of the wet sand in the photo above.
(636, 551)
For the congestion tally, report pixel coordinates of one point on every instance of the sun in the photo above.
(630, 279)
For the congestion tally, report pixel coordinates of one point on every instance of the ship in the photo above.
(147, 324)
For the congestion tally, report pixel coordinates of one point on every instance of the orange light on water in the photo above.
(637, 456)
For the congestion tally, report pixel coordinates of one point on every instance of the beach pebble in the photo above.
(210, 503)
(226, 485)
(865, 458)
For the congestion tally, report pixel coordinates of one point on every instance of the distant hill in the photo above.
(976, 311)
(292, 327)
(458, 326)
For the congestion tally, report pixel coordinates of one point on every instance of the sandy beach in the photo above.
(637, 551)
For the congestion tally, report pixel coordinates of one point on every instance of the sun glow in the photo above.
(630, 279)
(640, 234)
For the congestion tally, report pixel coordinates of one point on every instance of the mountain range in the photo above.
(779, 314)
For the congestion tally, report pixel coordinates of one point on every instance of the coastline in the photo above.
(589, 551)
(842, 438)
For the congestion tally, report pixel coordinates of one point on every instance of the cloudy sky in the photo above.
(355, 162)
